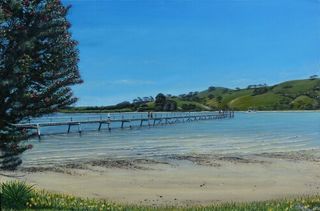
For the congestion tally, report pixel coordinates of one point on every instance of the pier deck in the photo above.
(156, 119)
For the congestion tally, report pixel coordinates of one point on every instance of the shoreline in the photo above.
(288, 111)
(170, 160)
(184, 180)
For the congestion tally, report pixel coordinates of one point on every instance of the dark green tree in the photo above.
(260, 90)
(210, 96)
(38, 64)
(160, 102)
(211, 88)
(170, 105)
(313, 77)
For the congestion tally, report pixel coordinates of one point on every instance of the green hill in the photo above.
(289, 95)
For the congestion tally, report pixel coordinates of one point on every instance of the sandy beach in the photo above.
(183, 180)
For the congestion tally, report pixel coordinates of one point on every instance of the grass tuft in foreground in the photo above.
(16, 195)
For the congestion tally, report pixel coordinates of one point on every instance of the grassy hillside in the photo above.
(289, 95)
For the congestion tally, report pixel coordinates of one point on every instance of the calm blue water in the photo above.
(245, 134)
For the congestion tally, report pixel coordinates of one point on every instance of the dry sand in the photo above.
(184, 180)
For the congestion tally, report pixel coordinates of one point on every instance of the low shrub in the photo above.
(15, 194)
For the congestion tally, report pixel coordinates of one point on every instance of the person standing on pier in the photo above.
(109, 117)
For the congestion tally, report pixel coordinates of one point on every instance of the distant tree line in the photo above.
(313, 77)
(191, 96)
(142, 100)
(255, 86)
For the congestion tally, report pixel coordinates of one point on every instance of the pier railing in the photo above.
(125, 119)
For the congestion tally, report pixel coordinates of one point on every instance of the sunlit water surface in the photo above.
(247, 133)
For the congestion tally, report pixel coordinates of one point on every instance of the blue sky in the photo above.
(131, 48)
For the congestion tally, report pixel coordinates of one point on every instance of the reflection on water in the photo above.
(246, 133)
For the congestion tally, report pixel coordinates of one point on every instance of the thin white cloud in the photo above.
(125, 82)
(132, 82)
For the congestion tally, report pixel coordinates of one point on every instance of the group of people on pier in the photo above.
(151, 115)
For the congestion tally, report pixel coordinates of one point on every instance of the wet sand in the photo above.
(183, 179)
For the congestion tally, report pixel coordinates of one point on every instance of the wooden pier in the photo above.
(155, 119)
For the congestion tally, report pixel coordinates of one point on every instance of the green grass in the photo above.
(216, 92)
(199, 106)
(303, 102)
(33, 199)
(15, 194)
(265, 101)
(296, 87)
(213, 103)
(235, 94)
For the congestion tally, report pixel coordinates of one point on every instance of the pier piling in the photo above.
(169, 118)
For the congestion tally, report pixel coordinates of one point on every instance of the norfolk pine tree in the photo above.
(38, 64)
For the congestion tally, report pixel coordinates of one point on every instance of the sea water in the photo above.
(247, 133)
